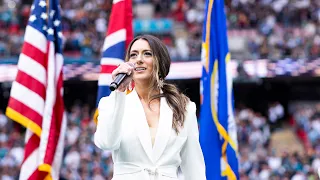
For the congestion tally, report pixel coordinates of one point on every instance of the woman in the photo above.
(152, 131)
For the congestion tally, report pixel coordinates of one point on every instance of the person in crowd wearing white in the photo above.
(152, 131)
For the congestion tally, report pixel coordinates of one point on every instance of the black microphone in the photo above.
(119, 78)
(117, 81)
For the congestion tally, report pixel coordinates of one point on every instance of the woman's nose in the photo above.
(139, 62)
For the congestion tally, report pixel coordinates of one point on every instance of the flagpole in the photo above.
(48, 1)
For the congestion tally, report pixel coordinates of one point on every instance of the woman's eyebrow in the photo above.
(142, 50)
(133, 51)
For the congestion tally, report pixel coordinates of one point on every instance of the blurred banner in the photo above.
(153, 26)
(218, 133)
(247, 69)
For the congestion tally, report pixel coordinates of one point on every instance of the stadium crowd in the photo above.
(261, 160)
(258, 159)
(272, 29)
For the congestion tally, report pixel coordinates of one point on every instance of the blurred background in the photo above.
(275, 52)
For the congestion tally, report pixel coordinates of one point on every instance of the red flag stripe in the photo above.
(32, 84)
(35, 54)
(38, 175)
(25, 111)
(56, 123)
(31, 145)
(53, 134)
(116, 23)
(128, 22)
(107, 68)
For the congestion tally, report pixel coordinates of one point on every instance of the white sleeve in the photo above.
(192, 164)
(111, 110)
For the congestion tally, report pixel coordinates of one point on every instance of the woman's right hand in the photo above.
(125, 67)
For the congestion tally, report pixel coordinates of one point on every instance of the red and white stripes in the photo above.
(36, 103)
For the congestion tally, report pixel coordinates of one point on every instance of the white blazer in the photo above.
(123, 128)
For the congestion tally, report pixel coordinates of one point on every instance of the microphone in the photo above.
(117, 81)
(119, 78)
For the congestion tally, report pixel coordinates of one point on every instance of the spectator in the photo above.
(286, 28)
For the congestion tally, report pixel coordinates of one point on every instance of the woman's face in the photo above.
(142, 55)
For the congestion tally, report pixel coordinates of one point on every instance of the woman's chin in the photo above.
(141, 78)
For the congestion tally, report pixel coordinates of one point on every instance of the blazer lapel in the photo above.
(164, 129)
(141, 126)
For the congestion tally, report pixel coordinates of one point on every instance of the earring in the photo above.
(131, 85)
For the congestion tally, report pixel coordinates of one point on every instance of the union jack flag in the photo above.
(117, 39)
(36, 100)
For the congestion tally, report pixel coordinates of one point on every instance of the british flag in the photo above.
(118, 37)
(36, 100)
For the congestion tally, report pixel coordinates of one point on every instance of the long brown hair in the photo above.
(176, 100)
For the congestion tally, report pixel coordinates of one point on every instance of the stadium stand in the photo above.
(268, 29)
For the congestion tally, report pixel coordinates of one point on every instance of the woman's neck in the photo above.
(143, 92)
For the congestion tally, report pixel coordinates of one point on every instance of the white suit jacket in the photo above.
(123, 128)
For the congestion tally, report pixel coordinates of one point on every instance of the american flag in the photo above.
(118, 37)
(36, 100)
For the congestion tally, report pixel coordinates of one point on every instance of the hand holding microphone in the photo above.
(122, 76)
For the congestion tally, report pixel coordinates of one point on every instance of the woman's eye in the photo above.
(148, 54)
(133, 55)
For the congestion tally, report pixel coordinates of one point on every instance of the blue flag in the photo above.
(218, 135)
